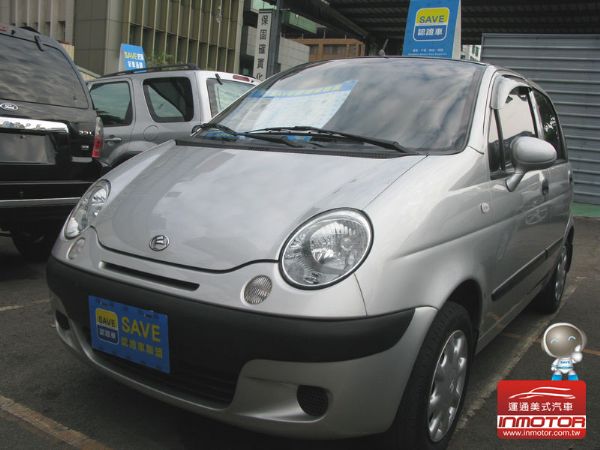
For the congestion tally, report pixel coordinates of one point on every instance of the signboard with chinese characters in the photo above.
(261, 52)
(132, 57)
(433, 29)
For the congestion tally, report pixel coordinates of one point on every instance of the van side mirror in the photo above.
(529, 153)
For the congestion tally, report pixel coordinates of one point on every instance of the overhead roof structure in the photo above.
(377, 20)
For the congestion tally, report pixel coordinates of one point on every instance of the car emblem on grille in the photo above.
(9, 106)
(158, 243)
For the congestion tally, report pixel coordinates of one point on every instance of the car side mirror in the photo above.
(529, 153)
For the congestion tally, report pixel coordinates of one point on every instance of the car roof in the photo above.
(485, 65)
(29, 34)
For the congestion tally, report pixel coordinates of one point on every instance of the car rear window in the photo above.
(169, 99)
(223, 94)
(31, 75)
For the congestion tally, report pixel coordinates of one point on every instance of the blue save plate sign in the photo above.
(132, 57)
(135, 334)
(433, 29)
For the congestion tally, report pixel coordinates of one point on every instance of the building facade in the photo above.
(333, 48)
(53, 18)
(203, 32)
(291, 53)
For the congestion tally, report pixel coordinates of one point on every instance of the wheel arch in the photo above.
(468, 294)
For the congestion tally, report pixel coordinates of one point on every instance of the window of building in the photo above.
(550, 130)
(112, 102)
(516, 120)
(169, 99)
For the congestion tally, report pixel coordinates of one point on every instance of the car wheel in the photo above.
(548, 300)
(35, 244)
(434, 395)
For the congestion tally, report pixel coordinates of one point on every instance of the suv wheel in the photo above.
(35, 243)
(548, 300)
(434, 395)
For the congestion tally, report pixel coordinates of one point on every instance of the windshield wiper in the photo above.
(232, 132)
(315, 131)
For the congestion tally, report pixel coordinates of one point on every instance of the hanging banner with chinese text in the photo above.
(261, 52)
(433, 29)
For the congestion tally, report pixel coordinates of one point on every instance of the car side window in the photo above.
(516, 120)
(112, 102)
(169, 99)
(550, 131)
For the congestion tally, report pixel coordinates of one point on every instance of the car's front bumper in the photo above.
(245, 368)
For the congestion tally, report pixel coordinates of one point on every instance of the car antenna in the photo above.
(381, 52)
(218, 77)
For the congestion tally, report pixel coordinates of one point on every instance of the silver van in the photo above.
(144, 107)
(325, 258)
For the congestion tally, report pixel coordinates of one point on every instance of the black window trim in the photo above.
(150, 107)
(560, 132)
(131, 101)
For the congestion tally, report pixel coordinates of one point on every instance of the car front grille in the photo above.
(189, 379)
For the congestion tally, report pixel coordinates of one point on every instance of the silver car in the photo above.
(325, 258)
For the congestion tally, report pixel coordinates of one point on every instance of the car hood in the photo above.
(222, 208)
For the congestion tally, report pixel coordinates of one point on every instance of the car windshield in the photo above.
(422, 104)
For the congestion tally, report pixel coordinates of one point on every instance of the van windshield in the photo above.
(422, 104)
(223, 93)
(31, 75)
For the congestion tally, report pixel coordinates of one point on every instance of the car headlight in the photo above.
(87, 209)
(326, 249)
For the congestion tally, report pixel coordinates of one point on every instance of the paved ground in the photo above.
(49, 399)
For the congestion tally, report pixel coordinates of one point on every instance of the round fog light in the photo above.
(76, 248)
(257, 289)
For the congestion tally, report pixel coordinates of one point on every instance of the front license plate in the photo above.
(131, 333)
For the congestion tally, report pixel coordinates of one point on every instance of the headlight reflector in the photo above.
(87, 208)
(327, 248)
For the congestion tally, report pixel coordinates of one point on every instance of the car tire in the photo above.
(35, 243)
(414, 425)
(549, 299)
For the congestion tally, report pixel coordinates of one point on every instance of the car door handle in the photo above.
(113, 139)
(545, 186)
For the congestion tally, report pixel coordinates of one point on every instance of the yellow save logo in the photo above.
(432, 16)
(106, 318)
(107, 325)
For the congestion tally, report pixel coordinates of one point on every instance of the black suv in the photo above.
(50, 139)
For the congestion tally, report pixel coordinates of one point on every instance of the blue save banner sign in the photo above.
(433, 29)
(132, 57)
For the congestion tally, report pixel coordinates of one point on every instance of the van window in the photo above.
(28, 74)
(550, 131)
(494, 150)
(169, 99)
(516, 120)
(221, 95)
(112, 102)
